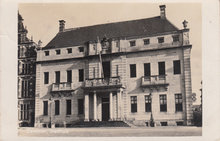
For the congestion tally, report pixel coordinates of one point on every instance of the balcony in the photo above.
(63, 86)
(154, 81)
(103, 82)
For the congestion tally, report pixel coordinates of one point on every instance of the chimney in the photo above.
(62, 25)
(162, 11)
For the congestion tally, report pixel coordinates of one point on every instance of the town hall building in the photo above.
(134, 71)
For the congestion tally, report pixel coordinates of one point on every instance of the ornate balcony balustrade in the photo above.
(97, 82)
(63, 86)
(154, 80)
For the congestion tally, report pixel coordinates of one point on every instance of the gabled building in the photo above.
(26, 76)
(134, 71)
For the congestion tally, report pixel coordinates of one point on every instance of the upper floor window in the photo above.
(146, 41)
(81, 49)
(163, 103)
(176, 67)
(133, 104)
(69, 50)
(178, 102)
(46, 77)
(132, 70)
(132, 43)
(81, 75)
(161, 68)
(117, 43)
(160, 39)
(147, 69)
(57, 76)
(58, 52)
(47, 53)
(147, 103)
(69, 76)
(175, 38)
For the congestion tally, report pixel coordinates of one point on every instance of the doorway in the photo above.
(105, 109)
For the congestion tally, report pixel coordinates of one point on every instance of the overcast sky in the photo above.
(42, 22)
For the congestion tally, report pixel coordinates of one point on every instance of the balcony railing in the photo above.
(112, 81)
(154, 80)
(63, 86)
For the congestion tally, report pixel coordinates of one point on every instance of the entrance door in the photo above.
(106, 69)
(105, 109)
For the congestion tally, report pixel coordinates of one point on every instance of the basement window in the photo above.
(163, 123)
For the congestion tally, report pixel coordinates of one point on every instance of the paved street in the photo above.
(111, 132)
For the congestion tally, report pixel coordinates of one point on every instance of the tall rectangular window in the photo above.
(161, 68)
(45, 105)
(57, 76)
(132, 70)
(147, 69)
(46, 77)
(81, 75)
(57, 107)
(80, 106)
(163, 103)
(69, 76)
(176, 67)
(147, 103)
(178, 102)
(93, 72)
(117, 71)
(133, 104)
(68, 107)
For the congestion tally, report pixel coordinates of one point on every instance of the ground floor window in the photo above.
(80, 106)
(68, 107)
(147, 103)
(133, 104)
(57, 107)
(45, 105)
(178, 102)
(163, 103)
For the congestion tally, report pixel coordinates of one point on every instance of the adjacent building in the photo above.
(134, 71)
(26, 76)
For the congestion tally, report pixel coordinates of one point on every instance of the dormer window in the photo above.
(146, 41)
(160, 39)
(81, 49)
(46, 53)
(58, 52)
(69, 50)
(132, 43)
(176, 38)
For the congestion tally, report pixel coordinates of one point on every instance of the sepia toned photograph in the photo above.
(109, 69)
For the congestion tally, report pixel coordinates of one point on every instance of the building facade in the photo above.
(134, 71)
(26, 76)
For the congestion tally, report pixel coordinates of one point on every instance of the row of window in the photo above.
(159, 40)
(58, 51)
(68, 73)
(27, 88)
(163, 103)
(161, 68)
(68, 107)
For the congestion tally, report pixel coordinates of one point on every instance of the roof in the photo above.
(141, 27)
